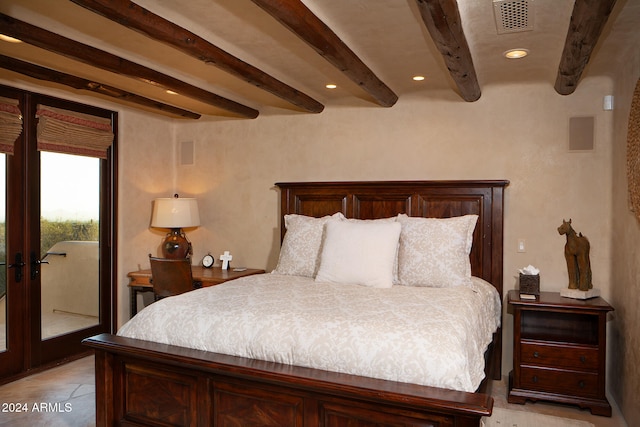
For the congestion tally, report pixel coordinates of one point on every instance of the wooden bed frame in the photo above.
(144, 383)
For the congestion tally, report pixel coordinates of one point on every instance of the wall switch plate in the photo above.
(521, 245)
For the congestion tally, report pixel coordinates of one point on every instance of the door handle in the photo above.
(18, 264)
(35, 265)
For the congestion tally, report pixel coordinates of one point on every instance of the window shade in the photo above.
(10, 124)
(70, 132)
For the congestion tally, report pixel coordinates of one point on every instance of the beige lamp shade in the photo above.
(175, 212)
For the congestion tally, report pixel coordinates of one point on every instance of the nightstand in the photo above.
(140, 281)
(559, 349)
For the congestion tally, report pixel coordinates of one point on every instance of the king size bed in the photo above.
(384, 310)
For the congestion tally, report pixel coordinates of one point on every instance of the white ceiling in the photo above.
(388, 35)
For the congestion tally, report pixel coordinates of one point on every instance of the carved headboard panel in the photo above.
(429, 199)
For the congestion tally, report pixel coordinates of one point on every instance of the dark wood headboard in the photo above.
(429, 199)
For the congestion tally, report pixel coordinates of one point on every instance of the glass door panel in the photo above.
(57, 244)
(3, 253)
(69, 243)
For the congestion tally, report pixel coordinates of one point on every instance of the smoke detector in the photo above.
(513, 16)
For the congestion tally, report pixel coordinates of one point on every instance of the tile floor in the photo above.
(499, 394)
(65, 397)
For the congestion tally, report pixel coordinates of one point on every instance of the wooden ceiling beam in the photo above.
(587, 22)
(100, 59)
(442, 19)
(46, 74)
(144, 21)
(294, 15)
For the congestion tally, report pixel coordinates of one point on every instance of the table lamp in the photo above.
(175, 213)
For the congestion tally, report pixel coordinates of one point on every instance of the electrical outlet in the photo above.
(521, 245)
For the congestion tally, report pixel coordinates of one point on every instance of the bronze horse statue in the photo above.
(576, 252)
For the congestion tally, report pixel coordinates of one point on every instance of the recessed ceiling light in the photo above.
(418, 78)
(331, 86)
(9, 39)
(516, 53)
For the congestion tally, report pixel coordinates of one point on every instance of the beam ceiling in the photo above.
(454, 44)
(46, 74)
(294, 15)
(45, 39)
(133, 16)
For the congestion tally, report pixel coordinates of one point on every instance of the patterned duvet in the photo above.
(427, 336)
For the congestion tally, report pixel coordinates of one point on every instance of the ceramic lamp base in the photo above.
(176, 245)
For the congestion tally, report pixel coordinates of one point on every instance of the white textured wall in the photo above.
(624, 337)
(146, 165)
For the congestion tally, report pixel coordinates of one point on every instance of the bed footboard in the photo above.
(139, 383)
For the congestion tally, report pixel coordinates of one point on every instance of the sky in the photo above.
(69, 187)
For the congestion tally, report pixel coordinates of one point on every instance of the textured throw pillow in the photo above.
(434, 252)
(300, 251)
(359, 252)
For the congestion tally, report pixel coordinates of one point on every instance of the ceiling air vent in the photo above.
(513, 16)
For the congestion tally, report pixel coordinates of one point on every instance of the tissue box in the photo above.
(530, 284)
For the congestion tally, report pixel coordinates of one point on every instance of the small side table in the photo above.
(140, 281)
(559, 350)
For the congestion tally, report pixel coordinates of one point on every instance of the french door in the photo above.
(57, 248)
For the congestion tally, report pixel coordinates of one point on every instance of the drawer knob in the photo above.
(536, 354)
(535, 378)
(581, 384)
(583, 359)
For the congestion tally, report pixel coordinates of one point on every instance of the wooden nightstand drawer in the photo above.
(583, 384)
(563, 356)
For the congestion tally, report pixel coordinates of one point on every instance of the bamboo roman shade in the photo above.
(10, 124)
(69, 132)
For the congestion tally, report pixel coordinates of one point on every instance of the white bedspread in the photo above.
(419, 335)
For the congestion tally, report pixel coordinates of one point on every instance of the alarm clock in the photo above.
(207, 261)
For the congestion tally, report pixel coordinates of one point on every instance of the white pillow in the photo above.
(300, 251)
(359, 252)
(434, 252)
(388, 219)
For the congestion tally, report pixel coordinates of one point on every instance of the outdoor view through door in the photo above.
(69, 237)
(57, 228)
